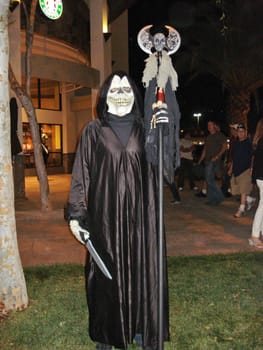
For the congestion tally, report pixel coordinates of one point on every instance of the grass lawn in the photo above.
(216, 302)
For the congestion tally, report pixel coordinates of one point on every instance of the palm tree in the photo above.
(225, 40)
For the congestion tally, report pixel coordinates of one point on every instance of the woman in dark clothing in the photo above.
(257, 177)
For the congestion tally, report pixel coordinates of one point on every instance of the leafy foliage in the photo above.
(224, 39)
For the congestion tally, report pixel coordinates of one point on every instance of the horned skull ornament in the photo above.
(157, 38)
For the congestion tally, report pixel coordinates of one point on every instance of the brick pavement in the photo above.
(192, 227)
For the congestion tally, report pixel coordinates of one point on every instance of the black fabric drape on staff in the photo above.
(171, 138)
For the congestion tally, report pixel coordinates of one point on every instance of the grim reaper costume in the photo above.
(113, 200)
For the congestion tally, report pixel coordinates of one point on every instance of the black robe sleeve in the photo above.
(77, 207)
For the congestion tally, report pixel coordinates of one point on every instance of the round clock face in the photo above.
(51, 8)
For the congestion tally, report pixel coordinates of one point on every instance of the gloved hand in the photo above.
(160, 112)
(80, 233)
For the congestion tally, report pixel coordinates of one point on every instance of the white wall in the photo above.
(45, 116)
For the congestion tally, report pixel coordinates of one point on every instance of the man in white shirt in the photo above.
(186, 168)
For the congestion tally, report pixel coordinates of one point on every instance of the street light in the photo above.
(198, 116)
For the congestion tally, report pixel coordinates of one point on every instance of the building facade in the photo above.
(70, 60)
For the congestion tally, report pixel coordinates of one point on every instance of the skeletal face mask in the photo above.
(120, 97)
(159, 41)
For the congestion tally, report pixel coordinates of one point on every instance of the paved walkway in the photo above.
(192, 227)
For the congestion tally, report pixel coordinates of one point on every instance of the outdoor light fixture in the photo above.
(105, 25)
(198, 116)
(106, 36)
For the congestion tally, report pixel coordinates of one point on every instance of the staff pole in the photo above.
(160, 99)
(160, 238)
(156, 40)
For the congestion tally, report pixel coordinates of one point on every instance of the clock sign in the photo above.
(51, 8)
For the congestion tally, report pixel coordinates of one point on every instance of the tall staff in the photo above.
(161, 123)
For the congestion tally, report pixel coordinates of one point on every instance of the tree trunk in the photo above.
(13, 293)
(239, 106)
(26, 101)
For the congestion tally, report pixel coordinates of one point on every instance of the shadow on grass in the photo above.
(216, 302)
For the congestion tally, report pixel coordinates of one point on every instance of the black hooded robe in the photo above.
(115, 186)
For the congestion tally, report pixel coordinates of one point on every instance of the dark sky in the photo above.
(204, 94)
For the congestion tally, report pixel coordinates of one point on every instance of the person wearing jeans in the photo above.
(214, 193)
(215, 147)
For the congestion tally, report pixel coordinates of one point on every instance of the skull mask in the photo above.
(120, 97)
(159, 41)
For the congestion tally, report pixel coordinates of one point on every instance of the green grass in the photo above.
(216, 302)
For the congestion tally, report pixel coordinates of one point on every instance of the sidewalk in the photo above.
(192, 227)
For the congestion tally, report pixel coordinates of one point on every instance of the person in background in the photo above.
(226, 187)
(186, 167)
(45, 150)
(257, 177)
(240, 169)
(215, 147)
(174, 191)
(202, 192)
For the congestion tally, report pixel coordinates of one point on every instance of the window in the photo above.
(45, 93)
(49, 94)
(51, 136)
